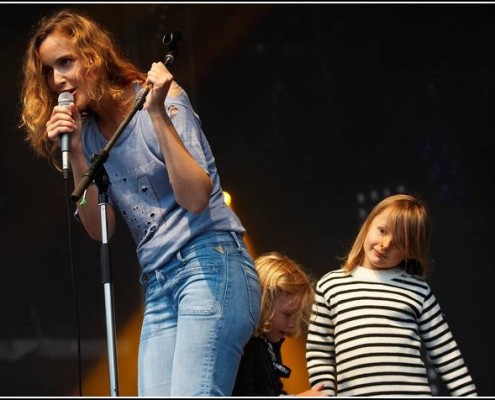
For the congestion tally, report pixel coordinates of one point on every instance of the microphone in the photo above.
(64, 99)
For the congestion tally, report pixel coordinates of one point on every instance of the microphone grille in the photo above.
(65, 98)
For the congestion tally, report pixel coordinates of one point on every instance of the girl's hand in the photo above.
(61, 121)
(160, 79)
(315, 391)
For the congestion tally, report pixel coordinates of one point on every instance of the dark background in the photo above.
(315, 112)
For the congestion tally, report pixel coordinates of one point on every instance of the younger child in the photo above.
(372, 316)
(286, 300)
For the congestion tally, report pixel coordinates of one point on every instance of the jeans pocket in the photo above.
(200, 282)
(254, 292)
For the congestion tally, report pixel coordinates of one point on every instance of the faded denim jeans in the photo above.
(201, 308)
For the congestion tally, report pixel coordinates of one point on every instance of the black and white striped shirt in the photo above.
(367, 331)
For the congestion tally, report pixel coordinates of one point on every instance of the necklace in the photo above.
(282, 370)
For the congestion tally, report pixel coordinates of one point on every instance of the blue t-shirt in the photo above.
(140, 187)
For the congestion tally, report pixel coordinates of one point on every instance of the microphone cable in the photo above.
(74, 284)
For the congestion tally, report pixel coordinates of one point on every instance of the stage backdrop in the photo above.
(315, 113)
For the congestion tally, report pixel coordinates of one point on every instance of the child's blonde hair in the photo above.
(279, 275)
(410, 227)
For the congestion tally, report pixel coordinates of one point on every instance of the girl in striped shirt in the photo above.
(373, 318)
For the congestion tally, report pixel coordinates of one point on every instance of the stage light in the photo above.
(366, 201)
(227, 198)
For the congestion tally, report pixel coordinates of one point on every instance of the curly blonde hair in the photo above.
(279, 275)
(108, 72)
(410, 224)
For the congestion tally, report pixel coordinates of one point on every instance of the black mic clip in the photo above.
(170, 41)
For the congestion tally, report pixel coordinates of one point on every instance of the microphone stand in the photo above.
(102, 181)
(96, 173)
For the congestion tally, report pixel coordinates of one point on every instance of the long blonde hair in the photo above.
(108, 72)
(279, 275)
(410, 231)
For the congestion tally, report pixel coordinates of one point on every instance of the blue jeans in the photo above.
(201, 308)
